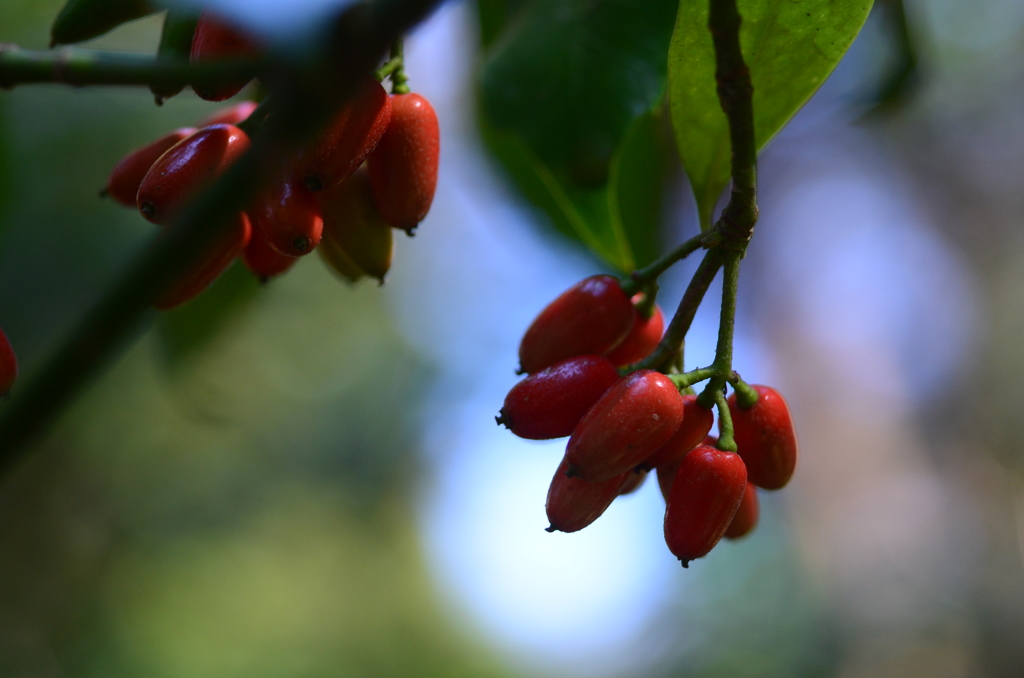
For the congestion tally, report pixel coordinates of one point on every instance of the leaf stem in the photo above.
(81, 67)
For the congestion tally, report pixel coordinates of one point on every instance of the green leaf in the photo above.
(567, 99)
(790, 46)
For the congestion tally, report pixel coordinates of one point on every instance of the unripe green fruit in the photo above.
(355, 227)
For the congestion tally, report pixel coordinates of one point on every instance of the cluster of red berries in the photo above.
(621, 427)
(323, 197)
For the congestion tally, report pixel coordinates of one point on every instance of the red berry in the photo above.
(403, 167)
(125, 179)
(667, 471)
(765, 438)
(633, 482)
(745, 519)
(706, 493)
(355, 131)
(590, 318)
(641, 340)
(697, 422)
(188, 167)
(8, 365)
(631, 420)
(574, 503)
(263, 260)
(551, 402)
(214, 262)
(216, 40)
(288, 217)
(231, 115)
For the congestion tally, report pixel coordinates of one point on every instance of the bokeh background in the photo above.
(305, 479)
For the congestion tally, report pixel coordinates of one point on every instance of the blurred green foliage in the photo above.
(236, 495)
(569, 98)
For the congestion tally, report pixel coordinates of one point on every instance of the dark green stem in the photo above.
(310, 94)
(645, 307)
(398, 76)
(683, 318)
(80, 67)
(641, 278)
(726, 436)
(736, 96)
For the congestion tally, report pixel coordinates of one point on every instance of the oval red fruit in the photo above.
(188, 167)
(706, 493)
(208, 268)
(697, 422)
(666, 474)
(127, 175)
(745, 519)
(551, 402)
(641, 340)
(231, 115)
(288, 217)
(667, 471)
(264, 261)
(626, 425)
(633, 482)
(403, 167)
(590, 318)
(574, 503)
(216, 40)
(765, 438)
(339, 150)
(8, 365)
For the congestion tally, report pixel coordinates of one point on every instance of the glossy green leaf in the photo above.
(790, 46)
(567, 95)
